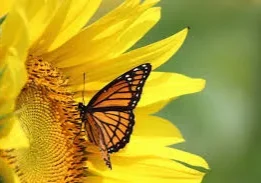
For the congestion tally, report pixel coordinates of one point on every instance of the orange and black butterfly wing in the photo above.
(122, 93)
(95, 136)
(112, 107)
(116, 128)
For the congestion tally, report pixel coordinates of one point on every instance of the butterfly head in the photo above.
(83, 110)
(81, 106)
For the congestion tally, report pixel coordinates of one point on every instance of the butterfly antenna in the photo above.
(83, 101)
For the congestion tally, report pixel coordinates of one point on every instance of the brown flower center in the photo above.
(50, 120)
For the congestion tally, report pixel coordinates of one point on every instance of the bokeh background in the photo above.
(221, 123)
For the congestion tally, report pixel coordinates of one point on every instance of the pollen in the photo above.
(50, 120)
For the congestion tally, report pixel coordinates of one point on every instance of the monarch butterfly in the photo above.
(108, 118)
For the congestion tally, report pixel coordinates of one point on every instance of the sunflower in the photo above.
(61, 48)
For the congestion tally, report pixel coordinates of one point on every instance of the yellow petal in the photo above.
(154, 127)
(78, 15)
(137, 143)
(135, 32)
(146, 169)
(156, 148)
(52, 29)
(169, 85)
(39, 14)
(156, 54)
(152, 108)
(69, 18)
(5, 7)
(145, 146)
(182, 156)
(100, 179)
(94, 40)
(15, 138)
(7, 174)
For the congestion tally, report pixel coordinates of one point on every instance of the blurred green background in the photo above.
(221, 123)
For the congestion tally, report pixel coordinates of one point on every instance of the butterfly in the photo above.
(108, 119)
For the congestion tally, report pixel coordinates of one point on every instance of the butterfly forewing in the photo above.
(124, 92)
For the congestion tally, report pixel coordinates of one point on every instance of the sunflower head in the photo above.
(48, 116)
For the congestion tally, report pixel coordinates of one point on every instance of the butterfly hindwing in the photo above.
(95, 136)
(116, 126)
